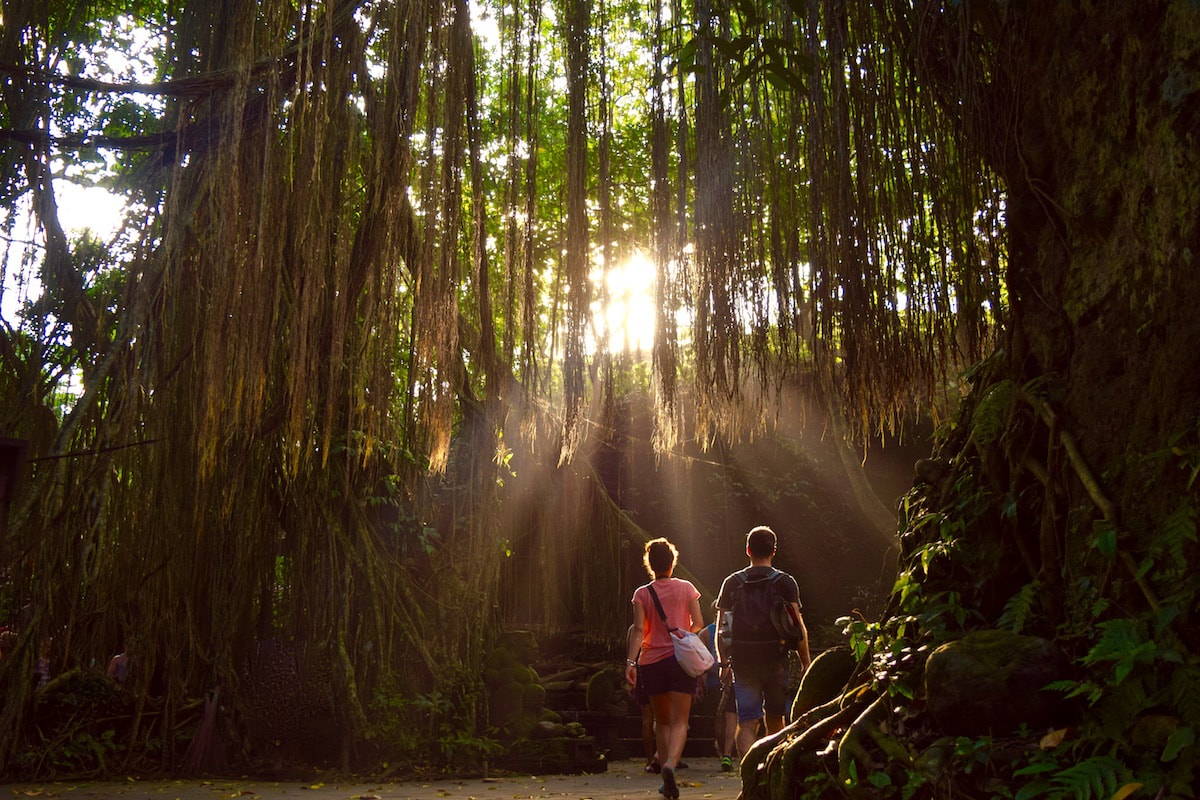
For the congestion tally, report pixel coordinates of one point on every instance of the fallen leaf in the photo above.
(1053, 739)
(1126, 790)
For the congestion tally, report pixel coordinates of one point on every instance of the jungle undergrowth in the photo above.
(1139, 712)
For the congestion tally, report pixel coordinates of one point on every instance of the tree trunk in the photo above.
(1101, 164)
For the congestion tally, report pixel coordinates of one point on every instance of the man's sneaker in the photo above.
(726, 764)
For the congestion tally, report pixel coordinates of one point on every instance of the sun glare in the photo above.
(630, 313)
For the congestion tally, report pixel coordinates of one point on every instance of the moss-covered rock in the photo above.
(604, 689)
(993, 681)
(544, 729)
(533, 697)
(824, 679)
(516, 697)
(505, 704)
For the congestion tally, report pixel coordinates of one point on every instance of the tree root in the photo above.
(776, 763)
(851, 748)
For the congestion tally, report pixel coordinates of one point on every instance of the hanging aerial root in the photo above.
(1095, 491)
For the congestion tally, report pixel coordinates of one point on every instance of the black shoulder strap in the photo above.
(658, 605)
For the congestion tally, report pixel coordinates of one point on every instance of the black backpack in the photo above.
(763, 627)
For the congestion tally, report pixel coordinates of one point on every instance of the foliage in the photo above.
(426, 729)
(86, 727)
(1138, 731)
(358, 275)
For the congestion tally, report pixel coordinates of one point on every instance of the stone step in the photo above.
(621, 736)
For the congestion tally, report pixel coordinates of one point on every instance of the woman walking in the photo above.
(651, 652)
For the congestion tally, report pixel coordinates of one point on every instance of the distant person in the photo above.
(709, 684)
(118, 667)
(41, 668)
(720, 685)
(652, 656)
(638, 693)
(757, 653)
(8, 642)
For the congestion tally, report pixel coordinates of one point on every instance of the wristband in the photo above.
(630, 662)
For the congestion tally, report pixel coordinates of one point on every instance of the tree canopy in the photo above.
(370, 258)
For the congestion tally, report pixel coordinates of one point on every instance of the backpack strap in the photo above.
(769, 578)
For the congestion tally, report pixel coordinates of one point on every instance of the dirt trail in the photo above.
(703, 780)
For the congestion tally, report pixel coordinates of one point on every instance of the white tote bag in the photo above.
(691, 653)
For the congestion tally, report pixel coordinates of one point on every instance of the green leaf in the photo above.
(1031, 790)
(1177, 741)
(1036, 769)
(1106, 538)
(687, 55)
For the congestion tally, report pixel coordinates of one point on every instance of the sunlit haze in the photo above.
(630, 313)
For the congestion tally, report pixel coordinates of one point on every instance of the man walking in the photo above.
(764, 614)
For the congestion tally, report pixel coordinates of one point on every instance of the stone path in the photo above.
(703, 780)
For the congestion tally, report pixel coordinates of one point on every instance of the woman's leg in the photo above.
(671, 712)
(649, 742)
(661, 704)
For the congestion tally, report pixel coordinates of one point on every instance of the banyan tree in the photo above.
(357, 341)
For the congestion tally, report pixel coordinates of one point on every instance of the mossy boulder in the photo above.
(992, 682)
(605, 689)
(516, 697)
(824, 679)
(506, 703)
(533, 697)
(546, 729)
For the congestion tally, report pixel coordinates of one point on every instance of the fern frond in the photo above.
(1124, 643)
(1038, 388)
(1183, 694)
(1097, 777)
(1019, 607)
(1072, 689)
(989, 416)
(1178, 531)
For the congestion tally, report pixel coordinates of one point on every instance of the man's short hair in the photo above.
(760, 542)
